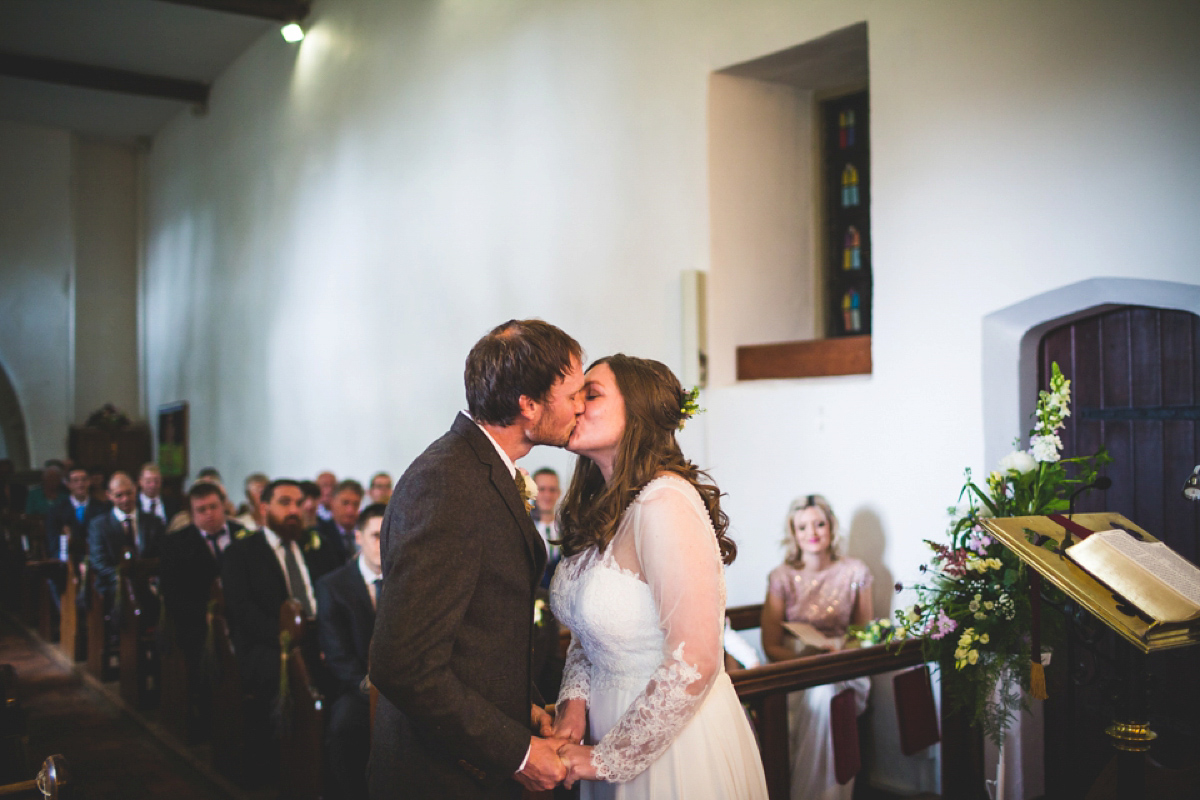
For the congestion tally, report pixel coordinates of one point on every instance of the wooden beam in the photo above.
(104, 79)
(842, 665)
(280, 10)
(849, 355)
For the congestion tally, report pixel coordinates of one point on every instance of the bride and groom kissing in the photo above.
(641, 587)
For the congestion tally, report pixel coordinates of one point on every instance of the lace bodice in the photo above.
(646, 613)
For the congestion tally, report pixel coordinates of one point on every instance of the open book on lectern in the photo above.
(1129, 580)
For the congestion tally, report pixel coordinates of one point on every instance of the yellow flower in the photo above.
(973, 657)
(985, 639)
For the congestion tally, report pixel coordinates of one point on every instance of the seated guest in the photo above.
(346, 600)
(260, 570)
(68, 519)
(828, 592)
(545, 505)
(347, 499)
(150, 497)
(98, 479)
(41, 498)
(124, 529)
(249, 514)
(327, 482)
(191, 559)
(381, 488)
(312, 498)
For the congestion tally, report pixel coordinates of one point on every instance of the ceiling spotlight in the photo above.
(292, 32)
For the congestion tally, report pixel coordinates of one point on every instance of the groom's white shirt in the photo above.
(512, 473)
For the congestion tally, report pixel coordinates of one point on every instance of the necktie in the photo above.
(296, 579)
(378, 588)
(79, 512)
(216, 548)
(130, 540)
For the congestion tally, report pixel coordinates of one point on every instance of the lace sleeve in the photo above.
(680, 561)
(576, 679)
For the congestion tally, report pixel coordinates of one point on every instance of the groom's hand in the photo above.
(543, 769)
(542, 721)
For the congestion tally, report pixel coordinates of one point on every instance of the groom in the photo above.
(457, 712)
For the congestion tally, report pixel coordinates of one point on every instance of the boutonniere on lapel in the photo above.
(314, 541)
(525, 487)
(539, 612)
(243, 533)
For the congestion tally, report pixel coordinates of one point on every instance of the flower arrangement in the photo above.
(974, 607)
(879, 631)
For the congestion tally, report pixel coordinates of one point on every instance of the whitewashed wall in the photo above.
(325, 245)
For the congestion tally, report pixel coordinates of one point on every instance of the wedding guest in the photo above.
(346, 600)
(327, 481)
(150, 498)
(12, 494)
(821, 588)
(312, 497)
(545, 506)
(123, 529)
(68, 519)
(190, 562)
(98, 480)
(249, 514)
(339, 529)
(380, 488)
(42, 497)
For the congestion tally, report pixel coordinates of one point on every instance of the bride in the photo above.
(642, 588)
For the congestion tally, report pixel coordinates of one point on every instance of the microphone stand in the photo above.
(1102, 482)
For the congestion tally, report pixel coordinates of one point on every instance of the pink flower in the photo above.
(945, 625)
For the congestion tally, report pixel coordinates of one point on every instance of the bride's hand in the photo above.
(570, 722)
(577, 758)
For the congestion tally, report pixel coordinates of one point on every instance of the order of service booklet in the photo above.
(1153, 577)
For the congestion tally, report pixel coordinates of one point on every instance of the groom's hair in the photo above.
(520, 357)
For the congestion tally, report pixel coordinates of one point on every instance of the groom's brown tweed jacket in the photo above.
(452, 647)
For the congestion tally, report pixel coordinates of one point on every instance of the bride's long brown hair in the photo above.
(653, 410)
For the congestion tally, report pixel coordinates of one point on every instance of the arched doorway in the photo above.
(12, 424)
(1135, 390)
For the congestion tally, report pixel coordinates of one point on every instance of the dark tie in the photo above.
(130, 541)
(216, 548)
(296, 579)
(378, 588)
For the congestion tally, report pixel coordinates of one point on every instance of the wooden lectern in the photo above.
(1038, 541)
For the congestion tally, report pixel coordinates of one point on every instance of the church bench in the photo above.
(301, 752)
(137, 611)
(72, 633)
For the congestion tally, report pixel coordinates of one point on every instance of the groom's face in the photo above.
(554, 418)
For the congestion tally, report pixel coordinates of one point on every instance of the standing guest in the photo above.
(817, 586)
(249, 514)
(381, 488)
(259, 571)
(328, 482)
(68, 519)
(346, 600)
(347, 500)
(124, 529)
(150, 498)
(41, 498)
(191, 561)
(545, 504)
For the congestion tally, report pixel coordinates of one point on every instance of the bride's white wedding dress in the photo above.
(647, 617)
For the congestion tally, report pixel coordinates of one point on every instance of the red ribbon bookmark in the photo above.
(1073, 527)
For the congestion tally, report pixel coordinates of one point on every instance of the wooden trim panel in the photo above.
(849, 355)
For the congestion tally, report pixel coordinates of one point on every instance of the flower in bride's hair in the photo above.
(688, 407)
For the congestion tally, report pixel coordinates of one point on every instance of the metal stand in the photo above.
(1130, 731)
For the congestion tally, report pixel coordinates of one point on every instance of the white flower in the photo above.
(1045, 448)
(1018, 461)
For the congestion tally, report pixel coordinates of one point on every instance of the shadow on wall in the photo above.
(12, 424)
(866, 542)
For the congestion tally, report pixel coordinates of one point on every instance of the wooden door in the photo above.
(1135, 383)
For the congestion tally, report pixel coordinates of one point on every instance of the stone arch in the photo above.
(1011, 336)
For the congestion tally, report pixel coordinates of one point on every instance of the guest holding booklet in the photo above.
(812, 599)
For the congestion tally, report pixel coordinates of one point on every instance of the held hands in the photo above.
(571, 722)
(555, 755)
(577, 759)
(543, 769)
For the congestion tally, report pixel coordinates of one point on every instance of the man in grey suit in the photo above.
(125, 529)
(458, 715)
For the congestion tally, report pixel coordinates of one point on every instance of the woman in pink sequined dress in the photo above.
(829, 592)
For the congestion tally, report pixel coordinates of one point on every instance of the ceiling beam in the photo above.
(280, 10)
(102, 78)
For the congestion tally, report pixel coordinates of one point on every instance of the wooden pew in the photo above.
(52, 574)
(14, 735)
(137, 611)
(301, 752)
(72, 634)
(229, 751)
(101, 660)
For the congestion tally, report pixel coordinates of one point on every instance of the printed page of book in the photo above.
(1153, 577)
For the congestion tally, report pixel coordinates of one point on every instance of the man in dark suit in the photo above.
(458, 715)
(344, 508)
(150, 496)
(72, 515)
(190, 562)
(260, 570)
(346, 601)
(124, 529)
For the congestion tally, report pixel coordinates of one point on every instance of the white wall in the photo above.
(68, 280)
(36, 262)
(325, 245)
